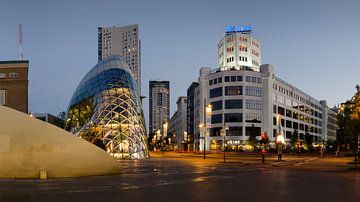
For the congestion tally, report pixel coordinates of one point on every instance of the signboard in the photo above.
(241, 29)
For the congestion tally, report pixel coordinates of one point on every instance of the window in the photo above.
(216, 92)
(233, 78)
(215, 131)
(2, 97)
(233, 90)
(288, 124)
(281, 111)
(280, 99)
(233, 117)
(295, 125)
(210, 82)
(288, 102)
(233, 104)
(288, 113)
(220, 80)
(252, 130)
(2, 75)
(253, 118)
(13, 75)
(234, 131)
(227, 78)
(239, 78)
(253, 104)
(216, 118)
(274, 109)
(253, 91)
(216, 105)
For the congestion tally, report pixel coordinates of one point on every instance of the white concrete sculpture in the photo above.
(29, 145)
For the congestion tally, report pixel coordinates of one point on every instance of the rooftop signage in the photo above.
(241, 29)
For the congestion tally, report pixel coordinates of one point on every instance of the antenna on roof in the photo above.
(20, 42)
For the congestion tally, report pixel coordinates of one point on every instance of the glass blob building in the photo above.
(106, 110)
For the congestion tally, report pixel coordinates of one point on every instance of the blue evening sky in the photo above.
(312, 44)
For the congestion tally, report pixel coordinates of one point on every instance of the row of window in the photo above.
(250, 79)
(297, 126)
(254, 62)
(255, 52)
(229, 104)
(242, 58)
(229, 118)
(295, 115)
(236, 131)
(12, 75)
(236, 90)
(285, 101)
(253, 79)
(296, 97)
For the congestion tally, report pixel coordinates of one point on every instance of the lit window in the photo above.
(14, 75)
(2, 97)
(2, 75)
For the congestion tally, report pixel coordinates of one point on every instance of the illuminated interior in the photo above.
(106, 110)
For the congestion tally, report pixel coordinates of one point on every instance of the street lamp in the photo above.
(185, 138)
(207, 113)
(280, 140)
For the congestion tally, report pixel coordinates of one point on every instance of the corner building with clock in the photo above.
(247, 97)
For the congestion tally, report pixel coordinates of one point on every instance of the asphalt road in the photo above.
(163, 179)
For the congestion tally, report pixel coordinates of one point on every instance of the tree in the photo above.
(294, 138)
(252, 139)
(308, 140)
(349, 121)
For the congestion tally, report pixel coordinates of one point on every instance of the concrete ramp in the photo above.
(28, 146)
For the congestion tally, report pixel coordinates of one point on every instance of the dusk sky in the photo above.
(312, 44)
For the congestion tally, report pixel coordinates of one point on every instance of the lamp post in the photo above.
(280, 140)
(185, 138)
(207, 112)
(223, 134)
(165, 127)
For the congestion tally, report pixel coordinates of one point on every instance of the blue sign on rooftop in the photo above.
(242, 29)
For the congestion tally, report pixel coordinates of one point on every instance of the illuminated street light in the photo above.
(207, 113)
(165, 127)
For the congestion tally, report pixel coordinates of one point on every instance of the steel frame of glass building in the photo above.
(106, 110)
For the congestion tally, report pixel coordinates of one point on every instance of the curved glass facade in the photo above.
(105, 109)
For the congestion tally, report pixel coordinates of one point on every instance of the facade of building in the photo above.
(122, 41)
(248, 98)
(329, 122)
(49, 118)
(159, 105)
(191, 112)
(14, 84)
(106, 110)
(178, 124)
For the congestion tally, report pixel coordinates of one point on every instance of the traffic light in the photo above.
(263, 151)
(263, 138)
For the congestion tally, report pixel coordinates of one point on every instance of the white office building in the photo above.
(247, 97)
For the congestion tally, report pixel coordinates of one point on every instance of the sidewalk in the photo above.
(237, 158)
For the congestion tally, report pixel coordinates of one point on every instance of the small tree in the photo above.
(252, 139)
(294, 138)
(308, 141)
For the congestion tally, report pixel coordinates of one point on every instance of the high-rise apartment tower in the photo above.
(159, 107)
(122, 41)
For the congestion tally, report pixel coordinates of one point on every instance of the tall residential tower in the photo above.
(159, 107)
(122, 41)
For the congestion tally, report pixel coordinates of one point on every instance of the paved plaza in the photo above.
(187, 177)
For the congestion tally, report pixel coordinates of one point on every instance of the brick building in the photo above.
(14, 84)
